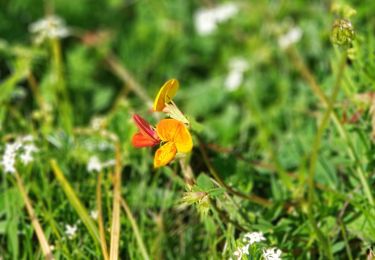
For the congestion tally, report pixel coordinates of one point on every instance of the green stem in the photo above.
(308, 76)
(135, 228)
(65, 112)
(314, 158)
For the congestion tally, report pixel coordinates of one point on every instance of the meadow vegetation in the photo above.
(265, 151)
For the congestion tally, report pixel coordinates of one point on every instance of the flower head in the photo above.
(49, 27)
(177, 139)
(272, 254)
(165, 94)
(207, 19)
(70, 230)
(146, 135)
(342, 33)
(254, 237)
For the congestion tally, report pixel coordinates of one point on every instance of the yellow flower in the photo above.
(177, 140)
(165, 94)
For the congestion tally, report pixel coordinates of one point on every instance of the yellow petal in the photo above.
(172, 130)
(164, 154)
(166, 93)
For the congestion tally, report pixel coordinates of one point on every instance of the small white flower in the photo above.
(70, 230)
(290, 38)
(237, 67)
(94, 164)
(245, 249)
(254, 237)
(27, 138)
(49, 27)
(206, 19)
(94, 214)
(108, 163)
(238, 253)
(26, 158)
(8, 167)
(30, 148)
(272, 254)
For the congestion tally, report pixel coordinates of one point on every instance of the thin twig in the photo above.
(34, 220)
(251, 197)
(122, 72)
(115, 228)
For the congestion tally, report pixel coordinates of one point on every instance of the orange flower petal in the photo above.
(164, 154)
(167, 128)
(139, 140)
(165, 94)
(172, 130)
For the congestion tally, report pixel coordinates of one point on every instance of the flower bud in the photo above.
(342, 32)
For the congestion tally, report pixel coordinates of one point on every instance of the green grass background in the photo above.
(259, 137)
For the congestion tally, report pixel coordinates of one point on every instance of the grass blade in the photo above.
(34, 220)
(76, 203)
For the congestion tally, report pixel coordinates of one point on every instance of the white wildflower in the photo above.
(26, 158)
(94, 214)
(206, 19)
(254, 237)
(272, 254)
(70, 230)
(94, 164)
(108, 163)
(237, 67)
(238, 253)
(27, 138)
(50, 27)
(8, 160)
(245, 249)
(290, 38)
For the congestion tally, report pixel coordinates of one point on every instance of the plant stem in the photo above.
(115, 228)
(314, 159)
(34, 220)
(103, 242)
(308, 76)
(61, 94)
(134, 225)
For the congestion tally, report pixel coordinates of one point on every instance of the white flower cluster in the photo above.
(237, 67)
(272, 254)
(252, 238)
(26, 148)
(290, 38)
(207, 19)
(50, 27)
(95, 165)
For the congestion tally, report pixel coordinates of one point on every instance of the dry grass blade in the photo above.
(34, 221)
(103, 242)
(115, 228)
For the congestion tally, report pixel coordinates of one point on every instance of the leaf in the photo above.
(204, 182)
